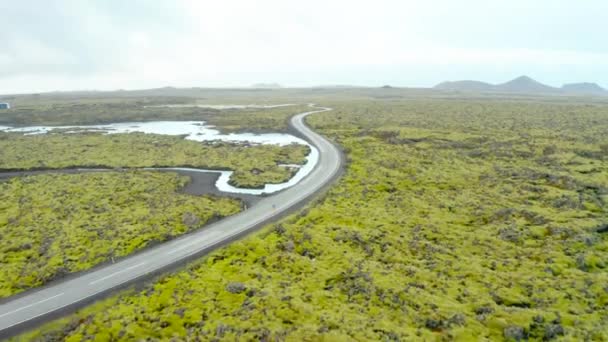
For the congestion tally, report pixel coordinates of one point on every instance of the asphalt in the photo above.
(35, 306)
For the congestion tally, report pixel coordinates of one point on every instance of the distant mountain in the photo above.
(338, 86)
(266, 85)
(584, 88)
(465, 86)
(523, 85)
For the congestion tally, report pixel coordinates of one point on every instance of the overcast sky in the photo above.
(127, 44)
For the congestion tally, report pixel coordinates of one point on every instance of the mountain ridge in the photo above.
(584, 87)
(522, 84)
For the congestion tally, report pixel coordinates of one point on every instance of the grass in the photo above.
(455, 220)
(52, 225)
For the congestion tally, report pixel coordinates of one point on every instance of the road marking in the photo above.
(190, 244)
(29, 306)
(210, 237)
(56, 308)
(115, 273)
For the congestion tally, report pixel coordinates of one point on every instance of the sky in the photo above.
(116, 44)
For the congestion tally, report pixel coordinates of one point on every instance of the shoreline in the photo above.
(200, 183)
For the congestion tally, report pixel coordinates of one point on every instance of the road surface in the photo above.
(32, 307)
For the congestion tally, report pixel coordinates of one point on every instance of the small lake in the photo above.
(197, 131)
(224, 106)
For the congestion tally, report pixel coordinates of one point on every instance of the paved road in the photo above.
(34, 306)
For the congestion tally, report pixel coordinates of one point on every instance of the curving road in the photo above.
(32, 307)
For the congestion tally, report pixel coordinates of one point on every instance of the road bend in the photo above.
(29, 309)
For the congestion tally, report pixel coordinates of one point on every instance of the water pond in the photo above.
(197, 131)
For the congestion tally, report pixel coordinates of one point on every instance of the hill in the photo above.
(525, 84)
(465, 86)
(522, 85)
(266, 85)
(584, 88)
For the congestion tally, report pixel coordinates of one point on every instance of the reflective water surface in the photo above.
(197, 131)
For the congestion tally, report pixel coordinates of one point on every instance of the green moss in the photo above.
(254, 165)
(455, 220)
(53, 225)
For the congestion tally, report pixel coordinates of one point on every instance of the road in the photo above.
(35, 306)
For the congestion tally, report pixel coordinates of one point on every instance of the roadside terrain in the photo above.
(461, 219)
(254, 165)
(59, 298)
(53, 225)
(57, 219)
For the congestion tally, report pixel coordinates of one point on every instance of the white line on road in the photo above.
(29, 306)
(115, 273)
(188, 245)
(209, 238)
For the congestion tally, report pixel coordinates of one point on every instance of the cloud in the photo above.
(68, 44)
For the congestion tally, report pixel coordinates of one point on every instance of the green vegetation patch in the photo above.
(255, 119)
(455, 220)
(53, 225)
(254, 165)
